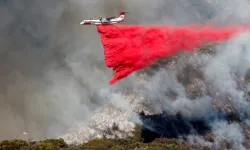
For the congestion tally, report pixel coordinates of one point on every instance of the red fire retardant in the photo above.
(128, 48)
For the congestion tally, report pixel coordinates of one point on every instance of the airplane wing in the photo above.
(110, 18)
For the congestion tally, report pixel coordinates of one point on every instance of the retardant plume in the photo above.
(128, 48)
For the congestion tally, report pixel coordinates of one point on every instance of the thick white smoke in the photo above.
(218, 87)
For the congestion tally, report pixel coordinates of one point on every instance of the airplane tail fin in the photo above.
(122, 13)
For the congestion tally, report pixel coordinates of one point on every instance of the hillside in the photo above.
(223, 126)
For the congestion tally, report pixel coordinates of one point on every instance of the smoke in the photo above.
(235, 135)
(53, 76)
(52, 70)
(208, 87)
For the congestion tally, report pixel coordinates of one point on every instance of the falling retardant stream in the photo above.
(128, 48)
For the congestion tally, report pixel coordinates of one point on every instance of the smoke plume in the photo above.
(50, 74)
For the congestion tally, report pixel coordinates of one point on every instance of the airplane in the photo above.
(110, 20)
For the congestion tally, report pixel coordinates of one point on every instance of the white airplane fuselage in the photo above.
(103, 21)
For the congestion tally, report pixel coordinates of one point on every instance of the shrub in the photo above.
(171, 143)
(136, 134)
(100, 144)
(165, 141)
(13, 144)
(117, 147)
(50, 144)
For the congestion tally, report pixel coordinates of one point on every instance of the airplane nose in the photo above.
(82, 23)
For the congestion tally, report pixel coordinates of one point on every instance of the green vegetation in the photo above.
(13, 144)
(134, 142)
(130, 143)
(96, 144)
(49, 144)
